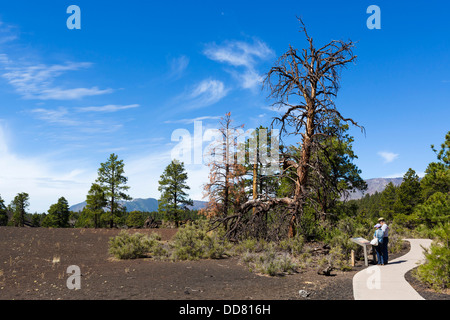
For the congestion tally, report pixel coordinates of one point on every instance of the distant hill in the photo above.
(138, 204)
(375, 185)
(151, 204)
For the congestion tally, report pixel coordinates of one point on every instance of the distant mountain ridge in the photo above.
(375, 185)
(151, 204)
(138, 204)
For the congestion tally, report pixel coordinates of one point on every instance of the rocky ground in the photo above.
(34, 262)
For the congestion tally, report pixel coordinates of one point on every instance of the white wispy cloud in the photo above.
(66, 117)
(37, 81)
(108, 108)
(68, 94)
(56, 116)
(189, 121)
(42, 177)
(8, 32)
(388, 156)
(178, 66)
(203, 94)
(242, 55)
(238, 53)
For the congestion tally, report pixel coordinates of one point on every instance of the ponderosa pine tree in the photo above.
(387, 200)
(3, 213)
(113, 183)
(172, 186)
(262, 163)
(58, 215)
(95, 203)
(18, 207)
(408, 193)
(437, 174)
(337, 175)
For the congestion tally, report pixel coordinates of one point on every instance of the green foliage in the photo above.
(409, 194)
(3, 213)
(135, 219)
(113, 184)
(193, 241)
(293, 246)
(437, 177)
(436, 269)
(250, 245)
(18, 207)
(58, 215)
(86, 219)
(337, 172)
(310, 226)
(272, 263)
(36, 219)
(174, 199)
(258, 143)
(95, 202)
(443, 155)
(132, 246)
(435, 210)
(368, 207)
(387, 201)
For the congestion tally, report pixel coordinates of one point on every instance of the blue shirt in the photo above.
(379, 234)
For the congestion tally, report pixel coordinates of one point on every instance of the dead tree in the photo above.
(225, 189)
(303, 84)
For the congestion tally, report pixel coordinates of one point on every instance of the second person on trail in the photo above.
(384, 249)
(379, 248)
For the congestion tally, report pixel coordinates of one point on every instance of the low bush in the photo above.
(130, 246)
(436, 269)
(272, 263)
(294, 245)
(195, 241)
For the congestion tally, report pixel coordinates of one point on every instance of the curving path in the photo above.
(388, 282)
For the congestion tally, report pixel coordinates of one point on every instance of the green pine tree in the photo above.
(18, 207)
(387, 201)
(172, 184)
(3, 213)
(95, 202)
(409, 195)
(437, 174)
(58, 215)
(113, 183)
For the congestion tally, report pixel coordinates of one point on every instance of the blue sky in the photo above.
(138, 70)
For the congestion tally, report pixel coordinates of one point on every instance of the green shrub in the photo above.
(136, 245)
(395, 244)
(193, 241)
(250, 245)
(293, 245)
(130, 246)
(271, 261)
(436, 269)
(135, 219)
(339, 260)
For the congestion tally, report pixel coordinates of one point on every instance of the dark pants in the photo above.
(379, 251)
(384, 249)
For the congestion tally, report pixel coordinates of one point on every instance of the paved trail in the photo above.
(388, 282)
